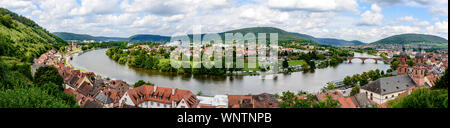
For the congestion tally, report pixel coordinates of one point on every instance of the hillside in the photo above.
(148, 38)
(81, 37)
(413, 39)
(331, 41)
(283, 36)
(22, 38)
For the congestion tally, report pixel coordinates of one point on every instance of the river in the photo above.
(98, 62)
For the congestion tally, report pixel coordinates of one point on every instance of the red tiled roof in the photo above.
(346, 102)
(334, 94)
(163, 95)
(235, 101)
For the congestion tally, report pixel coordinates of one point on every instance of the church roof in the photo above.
(390, 84)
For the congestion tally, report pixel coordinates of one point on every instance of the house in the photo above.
(105, 100)
(85, 88)
(265, 100)
(92, 104)
(240, 101)
(147, 96)
(388, 88)
(361, 101)
(121, 87)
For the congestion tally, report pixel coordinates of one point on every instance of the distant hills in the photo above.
(81, 37)
(22, 38)
(283, 36)
(331, 41)
(412, 39)
(149, 38)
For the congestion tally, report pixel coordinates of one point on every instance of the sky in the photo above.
(364, 20)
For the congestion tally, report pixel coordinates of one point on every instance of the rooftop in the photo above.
(389, 85)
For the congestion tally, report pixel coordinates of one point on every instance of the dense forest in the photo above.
(22, 38)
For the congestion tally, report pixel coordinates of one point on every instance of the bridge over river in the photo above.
(363, 59)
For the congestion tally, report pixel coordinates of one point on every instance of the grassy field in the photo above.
(296, 62)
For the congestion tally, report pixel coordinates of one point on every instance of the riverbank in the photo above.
(98, 62)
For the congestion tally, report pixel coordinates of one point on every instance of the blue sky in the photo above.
(364, 20)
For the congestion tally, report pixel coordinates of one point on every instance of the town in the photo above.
(93, 91)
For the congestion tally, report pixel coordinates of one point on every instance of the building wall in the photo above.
(151, 104)
(182, 104)
(380, 99)
(126, 100)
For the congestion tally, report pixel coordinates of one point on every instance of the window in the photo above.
(392, 96)
(386, 97)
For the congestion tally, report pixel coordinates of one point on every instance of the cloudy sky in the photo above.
(364, 20)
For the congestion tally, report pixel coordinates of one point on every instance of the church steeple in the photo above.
(419, 68)
(402, 68)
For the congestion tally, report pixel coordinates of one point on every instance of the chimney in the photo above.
(154, 88)
(173, 91)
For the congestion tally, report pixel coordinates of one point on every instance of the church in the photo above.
(389, 88)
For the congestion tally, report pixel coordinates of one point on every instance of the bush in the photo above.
(142, 82)
(422, 98)
(48, 74)
(30, 98)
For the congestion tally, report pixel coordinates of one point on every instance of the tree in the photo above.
(328, 103)
(442, 82)
(410, 62)
(288, 100)
(347, 81)
(363, 81)
(330, 86)
(48, 74)
(355, 90)
(285, 63)
(422, 98)
(394, 65)
(6, 20)
(142, 82)
(31, 98)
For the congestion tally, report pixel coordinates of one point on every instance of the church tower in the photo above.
(402, 68)
(419, 68)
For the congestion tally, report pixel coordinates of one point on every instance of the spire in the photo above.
(403, 53)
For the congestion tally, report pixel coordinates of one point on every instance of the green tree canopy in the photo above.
(47, 74)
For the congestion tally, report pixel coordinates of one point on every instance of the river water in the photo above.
(98, 62)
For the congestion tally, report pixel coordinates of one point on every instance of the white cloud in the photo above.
(439, 11)
(314, 5)
(421, 23)
(165, 17)
(439, 28)
(95, 7)
(21, 6)
(372, 17)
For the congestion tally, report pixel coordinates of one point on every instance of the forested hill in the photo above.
(412, 39)
(81, 37)
(22, 38)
